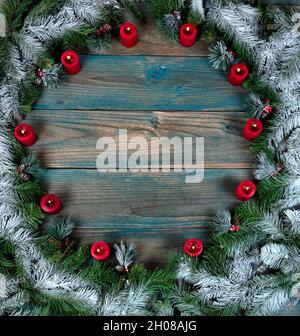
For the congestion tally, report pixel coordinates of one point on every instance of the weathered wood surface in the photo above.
(115, 206)
(69, 139)
(70, 120)
(145, 83)
(159, 209)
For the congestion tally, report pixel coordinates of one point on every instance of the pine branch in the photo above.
(220, 57)
(125, 255)
(33, 215)
(15, 11)
(61, 227)
(136, 7)
(266, 167)
(222, 222)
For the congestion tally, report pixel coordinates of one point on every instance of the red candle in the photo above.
(193, 247)
(70, 61)
(187, 34)
(50, 204)
(245, 190)
(252, 129)
(25, 135)
(238, 73)
(100, 251)
(128, 34)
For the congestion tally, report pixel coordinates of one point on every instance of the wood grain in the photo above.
(151, 42)
(144, 83)
(67, 138)
(159, 209)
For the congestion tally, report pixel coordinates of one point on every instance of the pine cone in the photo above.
(279, 169)
(66, 245)
(176, 14)
(104, 29)
(24, 176)
(21, 169)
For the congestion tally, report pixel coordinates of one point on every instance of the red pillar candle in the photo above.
(252, 129)
(128, 34)
(100, 251)
(25, 134)
(50, 204)
(245, 190)
(193, 247)
(238, 73)
(70, 61)
(187, 34)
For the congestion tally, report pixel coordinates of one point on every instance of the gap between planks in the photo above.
(208, 165)
(68, 137)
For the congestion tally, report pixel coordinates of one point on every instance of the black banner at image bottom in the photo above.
(140, 325)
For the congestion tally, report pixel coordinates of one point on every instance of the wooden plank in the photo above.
(149, 209)
(144, 83)
(67, 138)
(151, 42)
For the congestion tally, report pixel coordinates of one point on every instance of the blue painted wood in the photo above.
(149, 209)
(144, 83)
(69, 139)
(105, 199)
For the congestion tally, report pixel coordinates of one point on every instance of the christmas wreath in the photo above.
(252, 264)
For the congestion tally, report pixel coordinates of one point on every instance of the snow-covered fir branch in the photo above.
(222, 222)
(240, 25)
(132, 301)
(220, 57)
(198, 8)
(266, 168)
(125, 254)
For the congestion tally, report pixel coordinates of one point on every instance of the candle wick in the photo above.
(254, 126)
(247, 189)
(127, 30)
(239, 71)
(99, 250)
(69, 59)
(188, 30)
(50, 202)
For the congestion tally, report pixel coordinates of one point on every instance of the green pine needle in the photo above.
(33, 215)
(15, 11)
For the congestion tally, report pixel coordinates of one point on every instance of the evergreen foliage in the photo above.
(251, 271)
